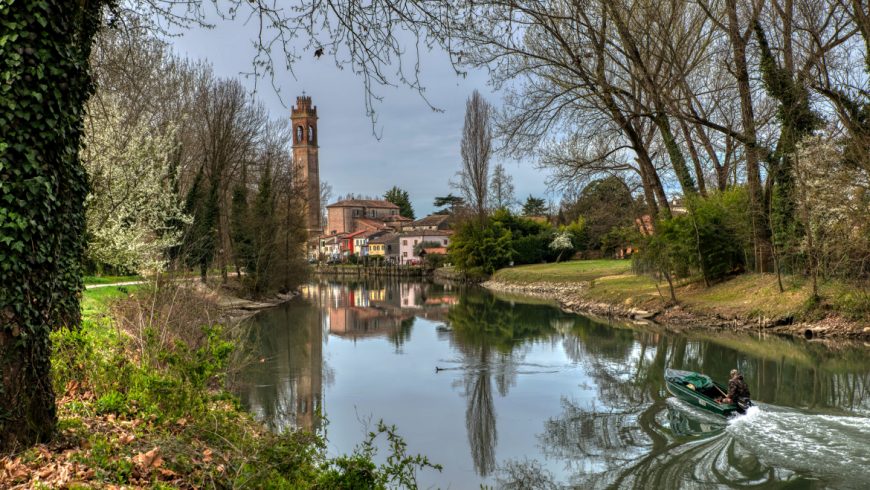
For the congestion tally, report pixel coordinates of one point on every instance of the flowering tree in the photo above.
(131, 200)
(562, 242)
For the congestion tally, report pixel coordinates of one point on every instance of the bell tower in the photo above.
(304, 119)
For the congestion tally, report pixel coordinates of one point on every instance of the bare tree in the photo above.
(476, 149)
(501, 189)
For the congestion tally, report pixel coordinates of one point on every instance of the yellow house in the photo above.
(376, 248)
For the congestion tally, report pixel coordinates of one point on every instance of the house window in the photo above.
(445, 241)
(415, 242)
(404, 242)
(404, 254)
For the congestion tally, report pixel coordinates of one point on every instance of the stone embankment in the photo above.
(362, 271)
(572, 298)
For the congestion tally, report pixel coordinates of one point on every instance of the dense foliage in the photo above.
(506, 238)
(705, 241)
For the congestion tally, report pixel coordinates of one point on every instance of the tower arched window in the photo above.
(310, 133)
(299, 134)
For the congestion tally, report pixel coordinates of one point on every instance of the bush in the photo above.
(532, 249)
(484, 247)
(703, 241)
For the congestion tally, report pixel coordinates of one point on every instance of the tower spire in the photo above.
(305, 156)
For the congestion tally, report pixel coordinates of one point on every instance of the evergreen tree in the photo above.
(264, 229)
(200, 241)
(400, 198)
(534, 206)
(240, 223)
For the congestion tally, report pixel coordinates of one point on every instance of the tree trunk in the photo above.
(678, 161)
(27, 395)
(44, 62)
(760, 233)
(696, 159)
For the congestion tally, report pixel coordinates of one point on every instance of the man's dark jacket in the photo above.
(737, 388)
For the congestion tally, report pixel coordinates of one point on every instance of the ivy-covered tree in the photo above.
(45, 47)
(400, 198)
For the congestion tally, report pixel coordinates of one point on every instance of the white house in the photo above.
(410, 239)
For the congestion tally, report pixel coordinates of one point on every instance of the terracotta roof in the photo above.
(371, 233)
(427, 233)
(396, 217)
(365, 203)
(373, 222)
(389, 237)
(435, 250)
(432, 220)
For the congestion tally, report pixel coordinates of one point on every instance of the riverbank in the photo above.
(750, 302)
(143, 402)
(362, 271)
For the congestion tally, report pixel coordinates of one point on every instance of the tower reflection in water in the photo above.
(285, 387)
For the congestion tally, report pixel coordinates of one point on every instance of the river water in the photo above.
(528, 396)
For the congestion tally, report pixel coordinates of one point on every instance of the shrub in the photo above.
(484, 247)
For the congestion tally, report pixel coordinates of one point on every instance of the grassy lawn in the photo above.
(746, 295)
(95, 301)
(572, 271)
(110, 279)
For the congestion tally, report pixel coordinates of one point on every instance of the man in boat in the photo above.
(737, 389)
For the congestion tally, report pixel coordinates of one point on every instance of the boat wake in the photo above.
(820, 444)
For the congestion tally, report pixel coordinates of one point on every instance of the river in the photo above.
(528, 396)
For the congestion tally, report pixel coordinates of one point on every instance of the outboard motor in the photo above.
(743, 404)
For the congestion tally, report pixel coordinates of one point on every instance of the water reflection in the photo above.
(591, 395)
(285, 388)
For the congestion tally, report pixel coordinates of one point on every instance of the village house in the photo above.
(352, 215)
(330, 247)
(349, 242)
(432, 222)
(386, 246)
(409, 240)
(361, 241)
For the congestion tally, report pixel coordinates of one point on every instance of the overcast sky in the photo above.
(418, 149)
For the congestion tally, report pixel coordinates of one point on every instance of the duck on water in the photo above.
(701, 391)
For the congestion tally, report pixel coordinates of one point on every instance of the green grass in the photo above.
(744, 296)
(110, 279)
(96, 301)
(572, 271)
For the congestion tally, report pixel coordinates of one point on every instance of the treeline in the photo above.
(753, 113)
(186, 170)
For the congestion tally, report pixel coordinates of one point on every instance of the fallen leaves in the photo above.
(148, 460)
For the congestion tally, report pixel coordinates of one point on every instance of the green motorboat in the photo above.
(701, 391)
